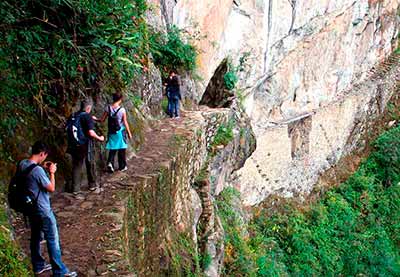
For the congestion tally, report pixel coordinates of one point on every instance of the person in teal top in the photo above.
(118, 128)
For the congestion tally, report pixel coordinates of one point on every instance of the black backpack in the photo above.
(19, 197)
(113, 122)
(75, 134)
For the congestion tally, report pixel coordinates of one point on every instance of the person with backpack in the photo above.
(29, 193)
(80, 135)
(118, 129)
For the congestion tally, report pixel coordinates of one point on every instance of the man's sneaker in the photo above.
(93, 188)
(110, 168)
(46, 267)
(71, 274)
(124, 169)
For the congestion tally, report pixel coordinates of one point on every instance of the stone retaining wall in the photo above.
(163, 209)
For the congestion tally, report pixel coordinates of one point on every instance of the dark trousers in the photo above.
(121, 158)
(169, 108)
(174, 107)
(79, 157)
(46, 223)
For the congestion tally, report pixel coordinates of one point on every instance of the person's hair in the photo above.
(175, 81)
(86, 103)
(39, 147)
(116, 97)
(173, 71)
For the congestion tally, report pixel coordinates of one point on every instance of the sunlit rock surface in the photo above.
(304, 59)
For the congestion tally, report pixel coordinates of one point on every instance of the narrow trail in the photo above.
(89, 225)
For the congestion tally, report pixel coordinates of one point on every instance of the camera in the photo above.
(48, 164)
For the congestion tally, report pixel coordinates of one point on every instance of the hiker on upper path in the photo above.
(173, 94)
(118, 129)
(80, 131)
(41, 216)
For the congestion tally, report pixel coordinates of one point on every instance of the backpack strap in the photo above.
(24, 173)
(79, 113)
(109, 108)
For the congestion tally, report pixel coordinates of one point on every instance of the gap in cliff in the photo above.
(216, 94)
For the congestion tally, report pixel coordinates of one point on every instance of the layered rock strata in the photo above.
(303, 63)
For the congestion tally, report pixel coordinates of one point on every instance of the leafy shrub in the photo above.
(238, 254)
(224, 134)
(136, 101)
(387, 156)
(12, 262)
(170, 51)
(164, 104)
(54, 51)
(230, 77)
(205, 261)
(230, 80)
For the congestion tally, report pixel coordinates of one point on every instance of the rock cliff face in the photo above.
(305, 63)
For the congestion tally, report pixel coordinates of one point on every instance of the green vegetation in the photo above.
(170, 51)
(393, 111)
(240, 97)
(230, 77)
(54, 51)
(230, 80)
(352, 231)
(224, 134)
(205, 261)
(136, 100)
(185, 260)
(164, 104)
(12, 262)
(238, 260)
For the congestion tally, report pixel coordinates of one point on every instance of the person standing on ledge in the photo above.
(167, 85)
(41, 218)
(174, 95)
(118, 129)
(172, 91)
(80, 131)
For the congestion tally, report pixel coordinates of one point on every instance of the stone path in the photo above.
(90, 223)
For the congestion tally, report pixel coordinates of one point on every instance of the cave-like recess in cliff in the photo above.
(216, 94)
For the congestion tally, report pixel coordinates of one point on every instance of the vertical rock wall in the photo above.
(305, 62)
(163, 209)
(292, 154)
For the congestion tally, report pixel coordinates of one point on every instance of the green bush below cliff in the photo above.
(12, 262)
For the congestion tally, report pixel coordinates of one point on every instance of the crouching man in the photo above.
(42, 219)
